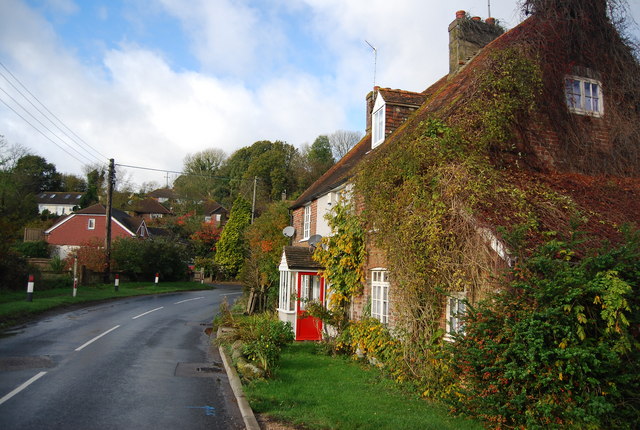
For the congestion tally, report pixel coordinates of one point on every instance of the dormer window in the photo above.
(378, 122)
(584, 96)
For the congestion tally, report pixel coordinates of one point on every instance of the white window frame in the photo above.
(582, 102)
(378, 127)
(91, 224)
(306, 223)
(380, 295)
(456, 307)
(287, 284)
(378, 122)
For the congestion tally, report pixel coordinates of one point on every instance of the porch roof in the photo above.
(299, 257)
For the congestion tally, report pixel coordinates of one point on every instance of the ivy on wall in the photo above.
(342, 255)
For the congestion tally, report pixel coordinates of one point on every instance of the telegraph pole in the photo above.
(111, 179)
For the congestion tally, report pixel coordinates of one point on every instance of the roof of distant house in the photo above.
(59, 198)
(212, 207)
(150, 206)
(163, 193)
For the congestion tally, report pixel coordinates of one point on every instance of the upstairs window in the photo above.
(584, 96)
(378, 127)
(306, 229)
(378, 122)
(91, 225)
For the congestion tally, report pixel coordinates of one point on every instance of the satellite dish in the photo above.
(289, 231)
(313, 240)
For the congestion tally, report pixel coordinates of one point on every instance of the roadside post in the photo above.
(75, 275)
(157, 277)
(117, 282)
(30, 289)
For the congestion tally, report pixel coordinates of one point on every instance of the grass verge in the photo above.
(316, 391)
(14, 308)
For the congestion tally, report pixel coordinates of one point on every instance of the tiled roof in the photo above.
(59, 198)
(166, 193)
(401, 97)
(212, 207)
(132, 223)
(150, 206)
(299, 257)
(337, 174)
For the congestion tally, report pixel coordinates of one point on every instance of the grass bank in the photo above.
(14, 308)
(316, 391)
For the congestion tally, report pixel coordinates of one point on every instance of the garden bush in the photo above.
(263, 337)
(558, 348)
(38, 249)
(142, 259)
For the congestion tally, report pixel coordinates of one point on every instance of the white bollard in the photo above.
(157, 277)
(30, 289)
(117, 283)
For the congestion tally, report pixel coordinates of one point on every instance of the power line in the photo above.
(47, 128)
(73, 138)
(41, 132)
(187, 173)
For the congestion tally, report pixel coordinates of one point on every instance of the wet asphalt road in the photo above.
(137, 363)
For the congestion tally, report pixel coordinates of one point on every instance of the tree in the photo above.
(265, 241)
(272, 163)
(201, 179)
(95, 181)
(34, 174)
(231, 248)
(342, 141)
(315, 160)
(72, 183)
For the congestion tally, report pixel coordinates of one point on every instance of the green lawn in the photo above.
(321, 392)
(14, 307)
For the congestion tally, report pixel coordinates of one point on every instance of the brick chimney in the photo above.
(467, 36)
(371, 99)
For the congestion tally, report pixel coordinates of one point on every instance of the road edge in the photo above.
(250, 421)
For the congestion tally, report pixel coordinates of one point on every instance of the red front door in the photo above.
(310, 287)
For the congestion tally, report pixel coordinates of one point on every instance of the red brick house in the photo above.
(579, 134)
(89, 223)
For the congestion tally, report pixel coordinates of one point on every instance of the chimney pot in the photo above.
(460, 14)
(490, 21)
(476, 18)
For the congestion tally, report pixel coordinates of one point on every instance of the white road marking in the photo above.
(232, 294)
(148, 312)
(188, 300)
(22, 387)
(96, 338)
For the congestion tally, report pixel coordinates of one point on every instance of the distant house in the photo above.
(215, 213)
(58, 203)
(89, 224)
(163, 195)
(149, 208)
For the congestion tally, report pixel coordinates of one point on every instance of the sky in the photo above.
(147, 82)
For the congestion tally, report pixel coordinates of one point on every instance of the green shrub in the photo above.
(39, 249)
(13, 270)
(559, 348)
(142, 259)
(263, 337)
(57, 264)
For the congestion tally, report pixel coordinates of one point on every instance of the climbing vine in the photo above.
(342, 255)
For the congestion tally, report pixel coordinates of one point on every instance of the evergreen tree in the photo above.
(231, 248)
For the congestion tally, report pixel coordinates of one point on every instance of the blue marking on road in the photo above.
(208, 410)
